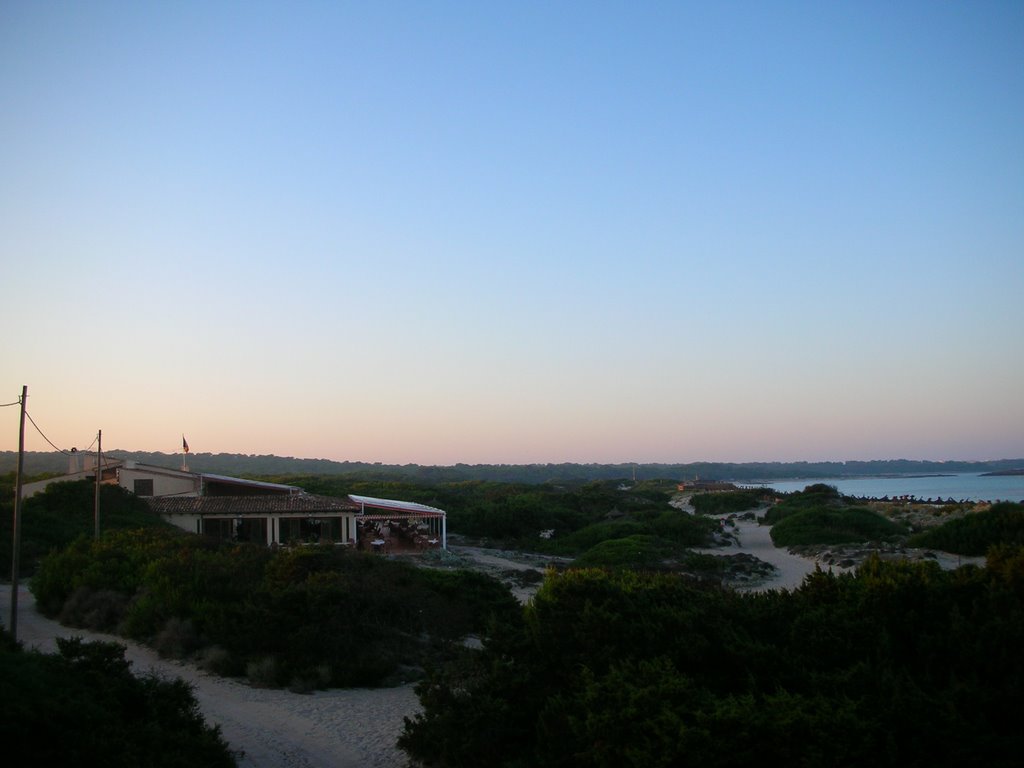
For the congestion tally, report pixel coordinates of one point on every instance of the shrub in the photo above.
(317, 677)
(683, 529)
(585, 538)
(727, 501)
(65, 511)
(264, 672)
(100, 610)
(1001, 524)
(84, 707)
(219, 661)
(899, 664)
(833, 526)
(817, 496)
(361, 615)
(177, 640)
(642, 551)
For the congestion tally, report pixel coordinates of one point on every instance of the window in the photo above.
(144, 487)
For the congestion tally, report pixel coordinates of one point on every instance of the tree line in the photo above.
(248, 465)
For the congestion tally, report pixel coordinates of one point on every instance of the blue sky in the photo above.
(483, 232)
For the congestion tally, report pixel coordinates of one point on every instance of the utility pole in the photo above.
(16, 543)
(99, 477)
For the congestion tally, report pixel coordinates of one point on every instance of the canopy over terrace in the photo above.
(378, 510)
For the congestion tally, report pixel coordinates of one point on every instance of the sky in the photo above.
(515, 232)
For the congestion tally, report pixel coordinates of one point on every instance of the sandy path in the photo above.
(498, 563)
(756, 540)
(348, 728)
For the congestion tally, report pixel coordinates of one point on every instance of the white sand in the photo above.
(756, 540)
(499, 563)
(348, 728)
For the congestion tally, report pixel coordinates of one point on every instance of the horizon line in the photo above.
(541, 463)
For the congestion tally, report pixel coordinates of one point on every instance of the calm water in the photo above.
(970, 486)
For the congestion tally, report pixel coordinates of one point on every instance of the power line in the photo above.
(86, 450)
(60, 450)
(56, 448)
(8, 405)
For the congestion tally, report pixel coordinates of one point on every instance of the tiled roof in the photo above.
(299, 503)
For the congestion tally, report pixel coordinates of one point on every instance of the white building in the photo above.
(238, 509)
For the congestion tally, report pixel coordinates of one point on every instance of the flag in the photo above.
(184, 444)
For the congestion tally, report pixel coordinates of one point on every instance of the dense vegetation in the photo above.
(817, 496)
(84, 707)
(898, 665)
(726, 502)
(834, 526)
(306, 617)
(1002, 523)
(819, 515)
(62, 513)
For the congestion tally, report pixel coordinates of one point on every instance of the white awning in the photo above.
(407, 507)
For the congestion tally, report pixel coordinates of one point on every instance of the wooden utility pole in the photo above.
(16, 543)
(99, 477)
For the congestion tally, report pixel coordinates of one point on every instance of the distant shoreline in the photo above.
(1004, 473)
(885, 476)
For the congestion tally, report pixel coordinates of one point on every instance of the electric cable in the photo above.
(55, 447)
(59, 450)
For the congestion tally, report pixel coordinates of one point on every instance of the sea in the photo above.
(959, 487)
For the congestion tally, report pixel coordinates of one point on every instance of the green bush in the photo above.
(85, 707)
(362, 616)
(817, 496)
(585, 538)
(642, 551)
(64, 511)
(101, 610)
(833, 526)
(898, 665)
(727, 501)
(1001, 524)
(117, 562)
(683, 529)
